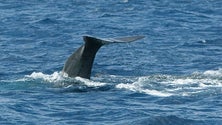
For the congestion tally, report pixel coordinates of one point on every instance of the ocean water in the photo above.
(171, 77)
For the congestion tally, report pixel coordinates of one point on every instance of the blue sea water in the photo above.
(171, 77)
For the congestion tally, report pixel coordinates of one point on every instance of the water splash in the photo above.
(156, 85)
(57, 77)
(168, 85)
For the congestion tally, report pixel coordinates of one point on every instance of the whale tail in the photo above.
(103, 41)
(80, 62)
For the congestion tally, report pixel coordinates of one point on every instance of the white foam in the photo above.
(157, 93)
(167, 85)
(137, 88)
(89, 82)
(184, 81)
(156, 85)
(126, 86)
(60, 79)
(213, 73)
(55, 77)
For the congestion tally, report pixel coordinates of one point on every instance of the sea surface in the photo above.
(171, 77)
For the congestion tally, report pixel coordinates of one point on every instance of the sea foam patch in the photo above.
(169, 85)
(55, 77)
(155, 85)
(58, 79)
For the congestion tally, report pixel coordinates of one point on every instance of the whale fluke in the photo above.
(81, 61)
